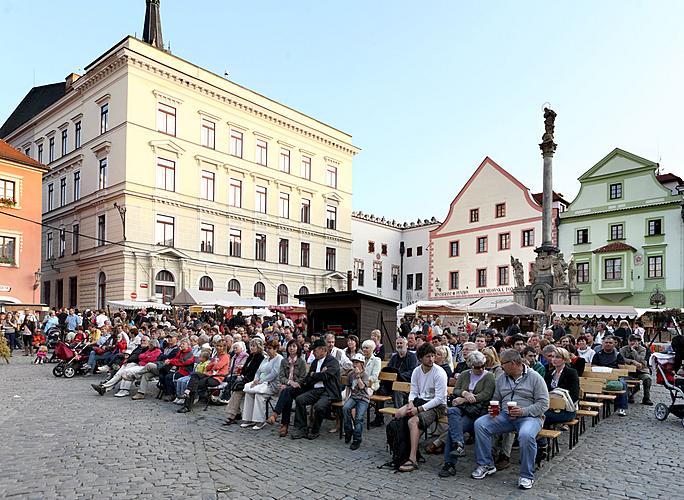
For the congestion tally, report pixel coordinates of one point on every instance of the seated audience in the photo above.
(213, 375)
(264, 385)
(290, 379)
(249, 370)
(635, 354)
(358, 401)
(609, 356)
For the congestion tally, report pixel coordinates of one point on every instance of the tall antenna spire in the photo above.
(152, 31)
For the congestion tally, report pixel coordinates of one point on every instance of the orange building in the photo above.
(20, 245)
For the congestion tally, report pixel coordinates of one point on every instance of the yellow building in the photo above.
(222, 187)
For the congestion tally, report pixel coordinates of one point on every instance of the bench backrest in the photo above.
(391, 377)
(401, 386)
(556, 403)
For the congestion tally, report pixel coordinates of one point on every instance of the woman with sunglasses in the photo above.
(474, 388)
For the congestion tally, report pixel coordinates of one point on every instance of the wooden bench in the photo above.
(336, 407)
(552, 436)
(377, 398)
(404, 387)
(581, 414)
(558, 405)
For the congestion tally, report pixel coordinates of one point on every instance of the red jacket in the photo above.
(218, 367)
(184, 361)
(148, 357)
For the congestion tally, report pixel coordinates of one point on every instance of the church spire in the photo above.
(152, 32)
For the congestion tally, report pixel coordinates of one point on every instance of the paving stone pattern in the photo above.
(61, 440)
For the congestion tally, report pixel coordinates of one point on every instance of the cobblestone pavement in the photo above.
(61, 440)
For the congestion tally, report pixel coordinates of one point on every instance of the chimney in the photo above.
(152, 31)
(349, 281)
(70, 79)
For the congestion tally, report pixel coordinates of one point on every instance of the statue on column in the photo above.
(533, 273)
(539, 301)
(572, 274)
(518, 272)
(559, 267)
(549, 124)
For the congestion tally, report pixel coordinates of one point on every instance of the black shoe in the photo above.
(100, 390)
(377, 423)
(355, 445)
(312, 435)
(630, 400)
(647, 402)
(457, 451)
(183, 409)
(347, 437)
(448, 470)
(297, 434)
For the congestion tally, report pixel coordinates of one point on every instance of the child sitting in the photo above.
(359, 398)
(41, 355)
(182, 383)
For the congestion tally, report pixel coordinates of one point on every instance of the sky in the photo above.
(426, 89)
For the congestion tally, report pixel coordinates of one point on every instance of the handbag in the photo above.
(614, 385)
(472, 410)
(239, 385)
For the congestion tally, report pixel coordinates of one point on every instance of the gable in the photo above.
(617, 161)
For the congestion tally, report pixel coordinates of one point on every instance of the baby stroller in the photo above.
(665, 376)
(70, 360)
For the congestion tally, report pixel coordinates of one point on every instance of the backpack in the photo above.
(399, 443)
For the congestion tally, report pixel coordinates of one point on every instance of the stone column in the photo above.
(548, 148)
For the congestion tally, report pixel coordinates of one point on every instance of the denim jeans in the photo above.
(361, 409)
(458, 424)
(622, 399)
(527, 427)
(182, 384)
(93, 358)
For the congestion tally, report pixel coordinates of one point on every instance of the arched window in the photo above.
(234, 286)
(331, 290)
(165, 285)
(282, 294)
(260, 290)
(303, 291)
(101, 291)
(206, 284)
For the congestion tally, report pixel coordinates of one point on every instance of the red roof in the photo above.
(7, 152)
(616, 246)
(663, 178)
(556, 197)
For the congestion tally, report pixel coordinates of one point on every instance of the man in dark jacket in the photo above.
(558, 330)
(609, 356)
(321, 387)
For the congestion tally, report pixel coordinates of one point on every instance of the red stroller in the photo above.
(70, 360)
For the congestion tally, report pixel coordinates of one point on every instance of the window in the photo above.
(395, 277)
(331, 217)
(655, 266)
(166, 174)
(51, 149)
(51, 197)
(419, 251)
(206, 284)
(261, 155)
(481, 278)
(59, 292)
(502, 276)
(27, 151)
(329, 259)
(331, 176)
(378, 278)
(62, 192)
(453, 280)
(482, 244)
(234, 286)
(8, 250)
(102, 176)
(582, 236)
(500, 210)
(236, 143)
(235, 193)
(616, 231)
(164, 230)
(285, 160)
(615, 191)
(528, 238)
(206, 238)
(284, 208)
(474, 215)
(62, 242)
(73, 291)
(419, 281)
(305, 255)
(453, 249)
(409, 252)
(303, 290)
(409, 281)
(504, 241)
(101, 291)
(40, 153)
(166, 119)
(260, 290)
(208, 134)
(165, 286)
(655, 227)
(235, 243)
(104, 118)
(77, 186)
(283, 251)
(383, 249)
(582, 272)
(65, 146)
(207, 185)
(75, 229)
(260, 247)
(77, 135)
(49, 247)
(260, 202)
(101, 234)
(282, 294)
(306, 168)
(305, 211)
(612, 269)
(46, 292)
(8, 190)
(371, 247)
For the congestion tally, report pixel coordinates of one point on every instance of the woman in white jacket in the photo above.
(373, 364)
(264, 385)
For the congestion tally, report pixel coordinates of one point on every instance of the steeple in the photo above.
(152, 32)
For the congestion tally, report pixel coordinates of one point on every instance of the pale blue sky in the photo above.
(427, 89)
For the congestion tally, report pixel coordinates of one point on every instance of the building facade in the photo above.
(494, 217)
(20, 210)
(385, 251)
(165, 176)
(625, 231)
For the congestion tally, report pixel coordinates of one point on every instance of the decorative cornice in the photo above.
(63, 126)
(168, 146)
(104, 99)
(208, 115)
(286, 144)
(161, 96)
(64, 167)
(237, 126)
(205, 159)
(77, 117)
(263, 136)
(101, 149)
(307, 153)
(393, 223)
(331, 160)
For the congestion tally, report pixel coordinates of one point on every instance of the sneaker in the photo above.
(347, 437)
(298, 434)
(244, 425)
(621, 413)
(525, 484)
(483, 471)
(355, 445)
(100, 390)
(259, 426)
(457, 451)
(121, 394)
(448, 470)
(103, 369)
(503, 462)
(138, 396)
(311, 435)
(178, 401)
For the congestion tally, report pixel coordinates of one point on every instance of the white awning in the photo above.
(487, 303)
(579, 311)
(134, 304)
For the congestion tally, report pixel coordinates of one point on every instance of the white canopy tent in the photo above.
(195, 296)
(239, 302)
(134, 304)
(580, 311)
(431, 304)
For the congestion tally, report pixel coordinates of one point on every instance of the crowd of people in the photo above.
(502, 381)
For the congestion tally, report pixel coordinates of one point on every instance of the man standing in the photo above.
(635, 354)
(610, 357)
(527, 389)
(322, 387)
(557, 328)
(427, 400)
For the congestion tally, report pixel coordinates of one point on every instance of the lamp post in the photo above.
(122, 214)
(36, 284)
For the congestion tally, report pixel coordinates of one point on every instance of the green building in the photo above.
(625, 232)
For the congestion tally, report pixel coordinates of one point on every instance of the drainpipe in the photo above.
(401, 271)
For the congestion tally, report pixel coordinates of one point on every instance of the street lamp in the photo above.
(122, 214)
(438, 285)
